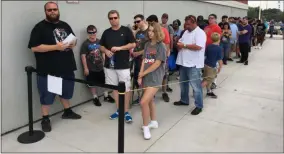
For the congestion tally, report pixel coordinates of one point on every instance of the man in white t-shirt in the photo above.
(191, 60)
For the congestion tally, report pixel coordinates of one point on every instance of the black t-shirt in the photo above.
(141, 39)
(52, 62)
(117, 38)
(260, 29)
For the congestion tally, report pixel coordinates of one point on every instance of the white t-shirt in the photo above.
(190, 58)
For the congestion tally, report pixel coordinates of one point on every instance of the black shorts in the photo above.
(96, 77)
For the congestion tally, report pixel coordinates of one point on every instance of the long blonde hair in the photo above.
(158, 32)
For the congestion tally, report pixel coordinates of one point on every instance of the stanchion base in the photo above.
(26, 138)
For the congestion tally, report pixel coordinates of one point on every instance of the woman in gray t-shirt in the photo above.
(151, 75)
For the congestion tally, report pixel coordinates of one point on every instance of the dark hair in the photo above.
(139, 16)
(152, 18)
(91, 27)
(49, 3)
(214, 15)
(192, 18)
(226, 23)
(113, 12)
(178, 22)
(224, 16)
(200, 18)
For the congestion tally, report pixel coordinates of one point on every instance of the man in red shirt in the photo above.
(211, 28)
(167, 41)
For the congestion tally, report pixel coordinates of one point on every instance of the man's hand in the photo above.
(86, 71)
(108, 53)
(72, 45)
(61, 47)
(135, 54)
(180, 45)
(114, 49)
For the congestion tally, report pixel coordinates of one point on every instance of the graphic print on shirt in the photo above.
(94, 55)
(59, 34)
(150, 56)
(139, 39)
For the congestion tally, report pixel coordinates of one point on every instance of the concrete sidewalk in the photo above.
(246, 117)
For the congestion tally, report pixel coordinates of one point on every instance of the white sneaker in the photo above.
(259, 47)
(146, 131)
(153, 124)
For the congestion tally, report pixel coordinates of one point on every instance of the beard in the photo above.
(53, 19)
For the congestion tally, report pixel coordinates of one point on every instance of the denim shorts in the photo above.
(46, 97)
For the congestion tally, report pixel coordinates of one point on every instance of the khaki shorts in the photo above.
(209, 75)
(114, 76)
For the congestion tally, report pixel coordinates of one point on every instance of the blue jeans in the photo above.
(193, 77)
(225, 51)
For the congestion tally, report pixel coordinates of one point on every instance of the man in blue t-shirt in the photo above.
(244, 40)
(213, 54)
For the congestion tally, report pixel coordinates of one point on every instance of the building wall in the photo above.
(18, 23)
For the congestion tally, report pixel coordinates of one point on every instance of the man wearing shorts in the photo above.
(53, 58)
(93, 64)
(154, 18)
(116, 42)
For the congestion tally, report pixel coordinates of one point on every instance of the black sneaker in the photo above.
(45, 125)
(109, 99)
(212, 95)
(165, 97)
(70, 115)
(179, 103)
(97, 102)
(246, 63)
(196, 111)
(230, 59)
(136, 102)
(169, 89)
(240, 61)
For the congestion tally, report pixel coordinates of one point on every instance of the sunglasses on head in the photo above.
(92, 32)
(49, 10)
(137, 22)
(111, 18)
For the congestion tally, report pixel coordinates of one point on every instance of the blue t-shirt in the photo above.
(213, 54)
(245, 38)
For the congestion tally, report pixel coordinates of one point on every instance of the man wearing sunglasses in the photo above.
(116, 42)
(140, 36)
(54, 58)
(93, 63)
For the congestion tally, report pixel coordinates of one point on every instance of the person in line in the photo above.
(213, 54)
(234, 38)
(225, 41)
(116, 42)
(244, 40)
(201, 23)
(177, 33)
(191, 60)
(93, 64)
(55, 58)
(141, 39)
(260, 34)
(165, 19)
(271, 28)
(151, 19)
(224, 20)
(151, 75)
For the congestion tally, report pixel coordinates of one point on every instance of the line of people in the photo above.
(150, 43)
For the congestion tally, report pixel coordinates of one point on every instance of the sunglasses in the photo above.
(111, 18)
(137, 22)
(49, 10)
(92, 32)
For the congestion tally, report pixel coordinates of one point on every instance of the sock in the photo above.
(209, 90)
(45, 117)
(67, 110)
(106, 94)
(95, 96)
(215, 81)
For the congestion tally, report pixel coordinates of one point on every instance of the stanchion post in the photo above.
(32, 135)
(121, 95)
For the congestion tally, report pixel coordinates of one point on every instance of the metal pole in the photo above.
(121, 95)
(32, 135)
(259, 11)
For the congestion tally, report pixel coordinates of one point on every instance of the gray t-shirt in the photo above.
(151, 54)
(169, 28)
(94, 56)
